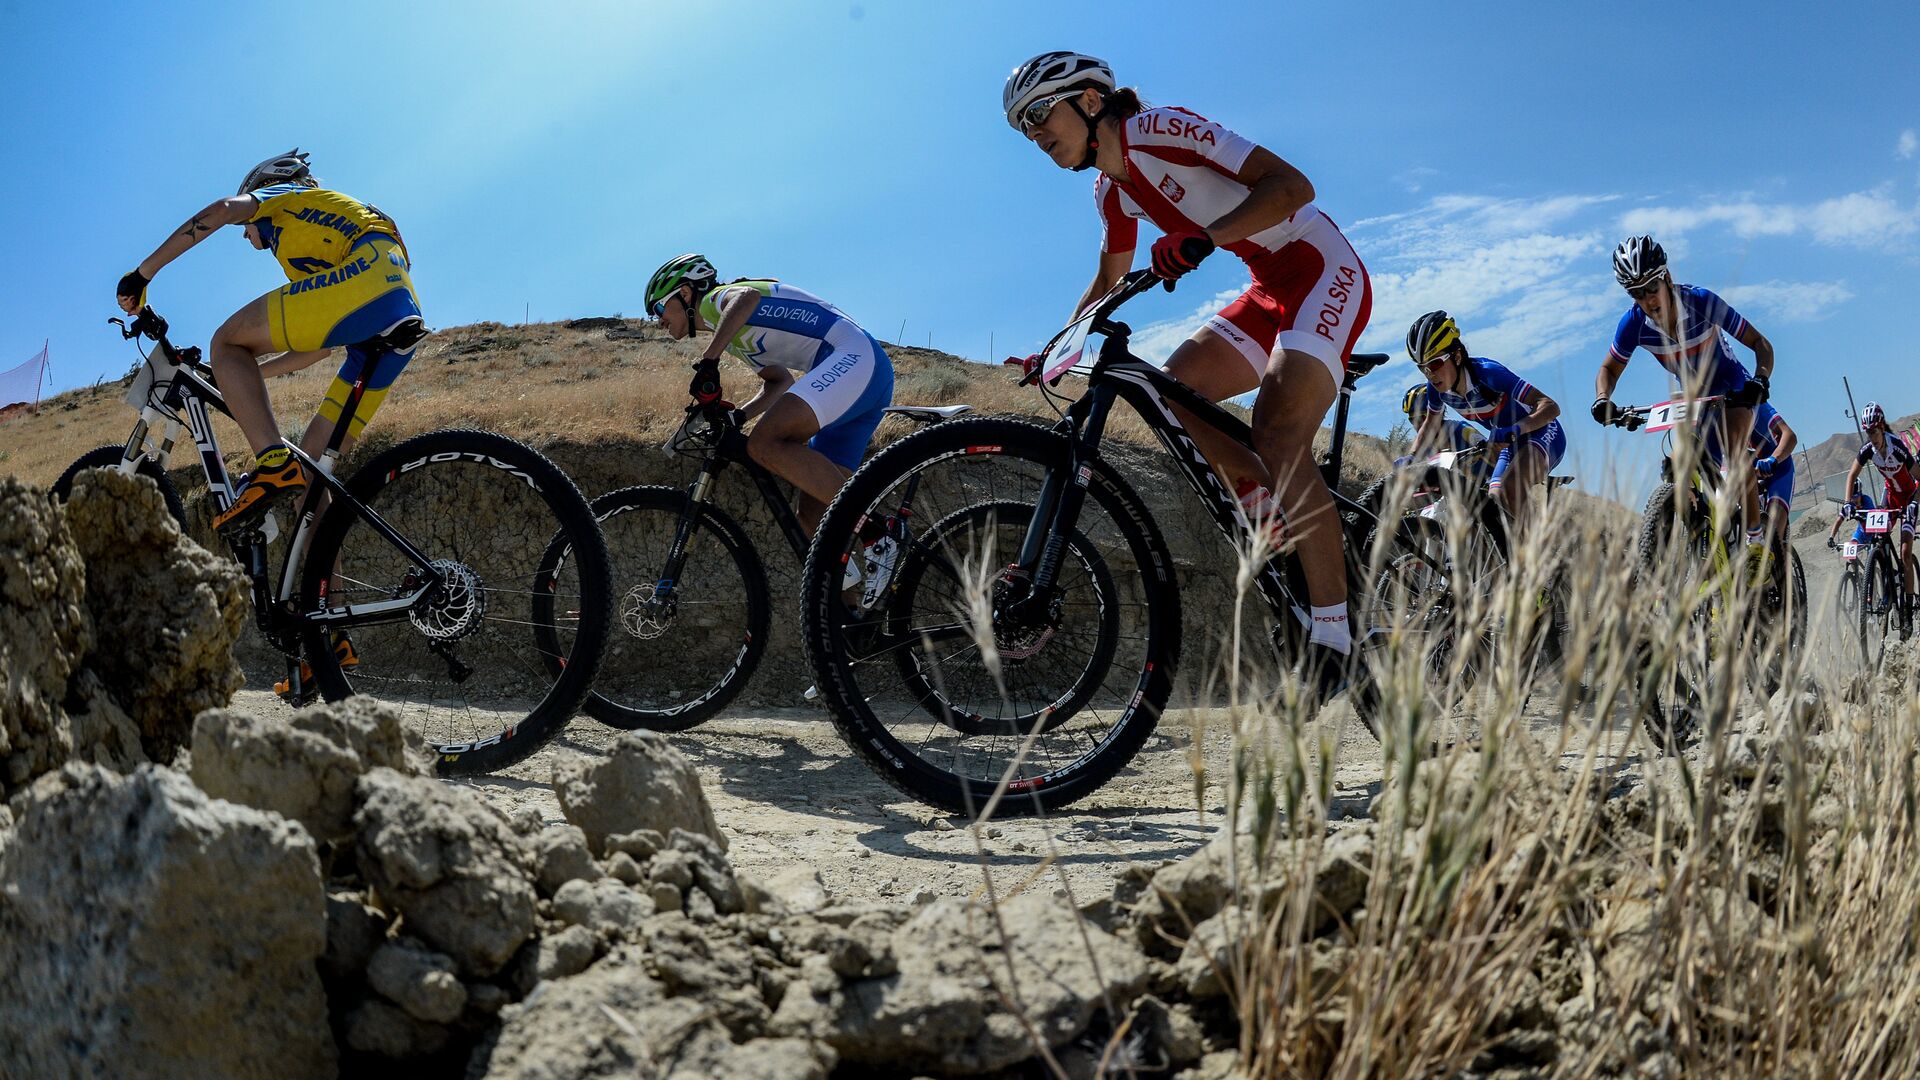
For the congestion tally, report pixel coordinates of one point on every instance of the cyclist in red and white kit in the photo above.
(1289, 335)
(1885, 452)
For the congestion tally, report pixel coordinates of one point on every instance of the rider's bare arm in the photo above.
(1275, 192)
(1113, 266)
(774, 381)
(736, 307)
(1853, 476)
(232, 210)
(1429, 434)
(1786, 441)
(1609, 377)
(1762, 350)
(1545, 410)
(289, 362)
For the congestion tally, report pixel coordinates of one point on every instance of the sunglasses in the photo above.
(659, 307)
(1037, 113)
(1430, 365)
(1651, 287)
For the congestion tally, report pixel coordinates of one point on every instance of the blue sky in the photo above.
(1482, 157)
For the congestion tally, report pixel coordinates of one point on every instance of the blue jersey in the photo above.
(1700, 352)
(1492, 399)
(1767, 429)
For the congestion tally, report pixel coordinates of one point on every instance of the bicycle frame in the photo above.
(1117, 374)
(730, 448)
(187, 395)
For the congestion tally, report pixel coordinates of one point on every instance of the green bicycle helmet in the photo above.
(688, 269)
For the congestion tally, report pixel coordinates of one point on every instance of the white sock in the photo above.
(1330, 628)
(1753, 537)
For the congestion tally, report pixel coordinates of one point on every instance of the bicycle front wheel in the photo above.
(963, 677)
(685, 640)
(495, 659)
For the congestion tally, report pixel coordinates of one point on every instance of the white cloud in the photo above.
(1861, 219)
(1907, 146)
(1792, 301)
(1156, 341)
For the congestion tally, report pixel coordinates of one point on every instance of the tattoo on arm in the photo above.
(193, 230)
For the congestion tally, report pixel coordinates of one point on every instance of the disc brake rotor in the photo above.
(455, 609)
(643, 614)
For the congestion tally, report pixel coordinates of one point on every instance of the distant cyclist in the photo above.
(1288, 335)
(825, 382)
(1772, 443)
(347, 282)
(1454, 434)
(1681, 326)
(1521, 422)
(1849, 513)
(1888, 453)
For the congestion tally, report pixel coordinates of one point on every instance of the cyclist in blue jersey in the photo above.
(1522, 423)
(1454, 434)
(825, 381)
(1772, 444)
(1681, 326)
(1861, 501)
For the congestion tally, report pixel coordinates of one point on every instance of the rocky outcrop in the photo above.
(642, 783)
(173, 608)
(144, 922)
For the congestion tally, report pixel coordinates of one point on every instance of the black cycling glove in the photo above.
(1605, 411)
(1754, 393)
(133, 286)
(705, 386)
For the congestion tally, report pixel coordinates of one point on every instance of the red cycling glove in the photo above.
(1177, 253)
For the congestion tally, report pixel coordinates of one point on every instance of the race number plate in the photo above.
(1850, 550)
(1877, 521)
(1671, 414)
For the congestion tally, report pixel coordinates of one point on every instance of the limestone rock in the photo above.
(615, 1020)
(377, 1027)
(418, 980)
(354, 931)
(560, 855)
(176, 608)
(566, 953)
(141, 921)
(604, 906)
(642, 783)
(449, 865)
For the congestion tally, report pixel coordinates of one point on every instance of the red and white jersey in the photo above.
(1181, 168)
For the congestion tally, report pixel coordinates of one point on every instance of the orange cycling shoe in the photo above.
(276, 475)
(309, 687)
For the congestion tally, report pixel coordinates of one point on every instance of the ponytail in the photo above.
(1120, 104)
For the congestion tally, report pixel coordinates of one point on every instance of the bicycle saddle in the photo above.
(929, 413)
(399, 337)
(1360, 363)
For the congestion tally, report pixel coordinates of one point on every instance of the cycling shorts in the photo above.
(1905, 505)
(848, 389)
(1778, 487)
(344, 306)
(1551, 441)
(1311, 296)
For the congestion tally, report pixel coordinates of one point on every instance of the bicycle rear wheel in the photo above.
(681, 648)
(496, 660)
(1048, 691)
(1878, 595)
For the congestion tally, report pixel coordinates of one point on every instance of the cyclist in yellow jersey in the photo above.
(347, 282)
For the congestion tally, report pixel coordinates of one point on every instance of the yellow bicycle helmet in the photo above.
(1432, 335)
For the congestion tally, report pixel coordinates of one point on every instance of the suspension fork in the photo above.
(698, 493)
(1056, 511)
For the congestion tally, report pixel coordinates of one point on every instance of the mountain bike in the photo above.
(1448, 507)
(1883, 602)
(435, 560)
(1850, 575)
(690, 589)
(1739, 628)
(1028, 639)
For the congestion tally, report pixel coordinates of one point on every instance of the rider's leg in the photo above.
(1739, 463)
(1217, 371)
(1295, 395)
(1529, 467)
(779, 442)
(235, 350)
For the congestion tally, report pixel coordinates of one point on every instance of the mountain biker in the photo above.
(1772, 443)
(1886, 452)
(1681, 326)
(1521, 422)
(348, 281)
(1860, 501)
(1288, 335)
(817, 425)
(1454, 434)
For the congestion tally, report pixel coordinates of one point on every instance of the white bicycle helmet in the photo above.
(291, 165)
(1049, 74)
(1873, 415)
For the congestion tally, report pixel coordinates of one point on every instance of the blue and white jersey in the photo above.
(790, 327)
(1767, 429)
(1699, 351)
(1492, 399)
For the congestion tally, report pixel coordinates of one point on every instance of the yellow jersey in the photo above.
(313, 229)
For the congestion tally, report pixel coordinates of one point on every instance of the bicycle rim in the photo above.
(682, 645)
(495, 660)
(981, 679)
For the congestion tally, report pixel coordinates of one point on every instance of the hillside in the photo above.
(589, 382)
